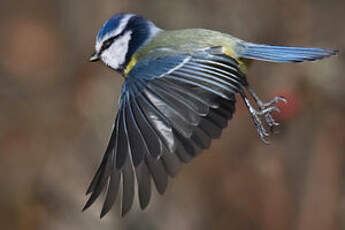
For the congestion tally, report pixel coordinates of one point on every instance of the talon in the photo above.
(274, 108)
(260, 127)
(283, 99)
(267, 142)
(275, 100)
(265, 110)
(274, 129)
(268, 110)
(264, 132)
(273, 123)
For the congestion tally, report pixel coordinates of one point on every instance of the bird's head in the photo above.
(120, 37)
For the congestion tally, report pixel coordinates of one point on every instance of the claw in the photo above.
(283, 99)
(270, 121)
(263, 139)
(274, 129)
(262, 133)
(268, 110)
(265, 110)
(275, 100)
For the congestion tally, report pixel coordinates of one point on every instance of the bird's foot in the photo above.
(265, 110)
(266, 113)
(272, 124)
(275, 100)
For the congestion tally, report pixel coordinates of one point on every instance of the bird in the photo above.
(177, 96)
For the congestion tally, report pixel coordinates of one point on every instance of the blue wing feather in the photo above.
(209, 77)
(228, 77)
(170, 109)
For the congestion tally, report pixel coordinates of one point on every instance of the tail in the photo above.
(284, 53)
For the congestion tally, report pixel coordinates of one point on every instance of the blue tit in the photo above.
(178, 94)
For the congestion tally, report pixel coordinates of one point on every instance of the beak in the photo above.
(94, 57)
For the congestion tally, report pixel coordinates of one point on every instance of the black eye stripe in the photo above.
(107, 43)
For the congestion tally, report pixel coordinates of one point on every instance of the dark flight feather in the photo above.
(170, 110)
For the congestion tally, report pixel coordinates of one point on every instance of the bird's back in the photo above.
(188, 41)
(192, 40)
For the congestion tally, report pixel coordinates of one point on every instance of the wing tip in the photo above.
(87, 205)
(103, 212)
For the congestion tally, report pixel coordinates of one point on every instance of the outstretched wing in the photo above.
(171, 107)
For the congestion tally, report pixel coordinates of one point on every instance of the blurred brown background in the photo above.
(57, 111)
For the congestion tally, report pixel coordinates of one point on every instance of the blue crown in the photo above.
(110, 25)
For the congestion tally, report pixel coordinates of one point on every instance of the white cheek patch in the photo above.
(115, 55)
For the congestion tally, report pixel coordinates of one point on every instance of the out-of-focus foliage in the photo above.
(57, 111)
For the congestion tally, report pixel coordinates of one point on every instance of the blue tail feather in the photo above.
(284, 53)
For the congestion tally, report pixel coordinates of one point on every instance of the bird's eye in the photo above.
(107, 43)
